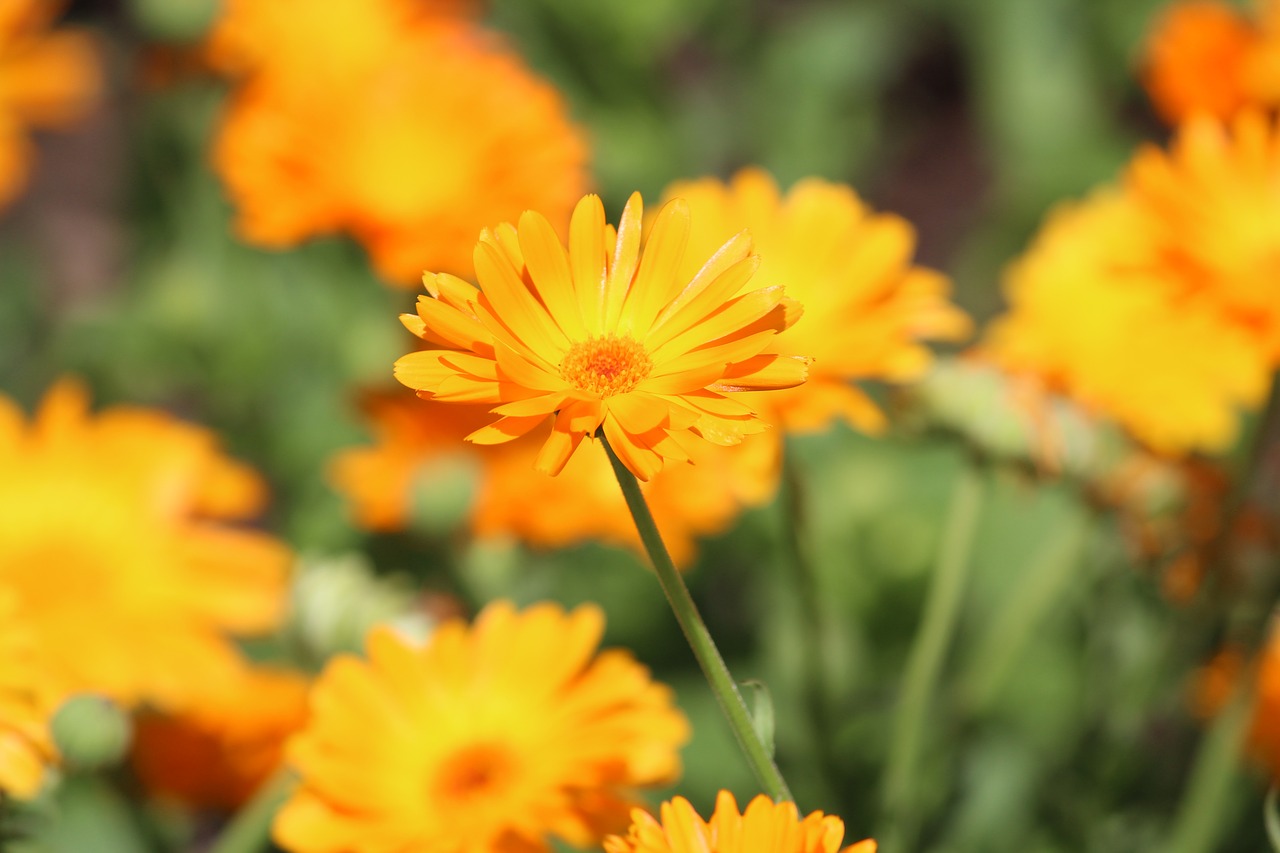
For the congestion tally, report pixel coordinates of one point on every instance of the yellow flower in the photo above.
(216, 753)
(410, 131)
(47, 80)
(603, 338)
(1095, 314)
(582, 504)
(488, 738)
(867, 307)
(1215, 199)
(765, 827)
(26, 748)
(159, 578)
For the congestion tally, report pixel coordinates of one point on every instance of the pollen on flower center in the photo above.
(605, 365)
(475, 771)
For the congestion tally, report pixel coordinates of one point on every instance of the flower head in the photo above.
(604, 336)
(153, 556)
(1196, 59)
(765, 827)
(410, 130)
(487, 738)
(46, 80)
(868, 308)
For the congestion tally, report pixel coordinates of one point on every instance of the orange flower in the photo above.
(338, 127)
(46, 80)
(765, 827)
(26, 748)
(1196, 59)
(868, 309)
(1221, 677)
(1097, 314)
(602, 338)
(1215, 198)
(413, 438)
(152, 556)
(489, 738)
(217, 753)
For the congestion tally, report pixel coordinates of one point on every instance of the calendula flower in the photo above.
(26, 748)
(1096, 314)
(1215, 200)
(869, 310)
(414, 439)
(604, 336)
(492, 737)
(339, 126)
(47, 80)
(765, 827)
(218, 752)
(1216, 682)
(161, 581)
(1197, 59)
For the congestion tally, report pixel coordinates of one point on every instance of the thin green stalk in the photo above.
(1271, 817)
(695, 631)
(1209, 795)
(928, 651)
(1036, 591)
(814, 622)
(250, 830)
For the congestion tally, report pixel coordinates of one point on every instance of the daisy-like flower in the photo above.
(1215, 199)
(26, 747)
(492, 737)
(216, 753)
(869, 310)
(415, 438)
(337, 127)
(765, 827)
(1096, 314)
(604, 336)
(152, 555)
(1196, 59)
(47, 80)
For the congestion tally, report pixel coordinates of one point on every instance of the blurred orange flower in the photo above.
(582, 504)
(1218, 680)
(47, 80)
(400, 123)
(218, 752)
(605, 336)
(148, 498)
(26, 748)
(765, 827)
(868, 309)
(490, 737)
(1097, 313)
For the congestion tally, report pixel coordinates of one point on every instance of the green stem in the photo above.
(1271, 817)
(928, 651)
(814, 622)
(1036, 591)
(250, 830)
(695, 631)
(1210, 793)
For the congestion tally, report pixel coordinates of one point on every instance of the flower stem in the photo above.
(695, 631)
(250, 830)
(1210, 791)
(928, 650)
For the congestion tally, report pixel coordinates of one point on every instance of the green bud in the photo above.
(91, 732)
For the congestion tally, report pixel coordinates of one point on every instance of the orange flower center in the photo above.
(606, 365)
(475, 772)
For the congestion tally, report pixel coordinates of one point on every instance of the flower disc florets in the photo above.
(605, 365)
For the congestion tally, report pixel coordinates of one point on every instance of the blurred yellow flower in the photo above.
(604, 336)
(409, 129)
(765, 827)
(582, 504)
(26, 748)
(1215, 200)
(47, 80)
(1095, 313)
(867, 308)
(159, 578)
(492, 737)
(216, 753)
(1196, 59)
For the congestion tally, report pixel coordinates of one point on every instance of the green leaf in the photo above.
(762, 716)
